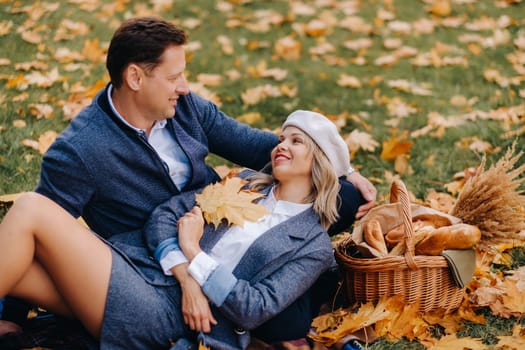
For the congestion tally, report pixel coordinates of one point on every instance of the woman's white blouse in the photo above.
(235, 242)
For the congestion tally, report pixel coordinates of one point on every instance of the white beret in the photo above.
(325, 135)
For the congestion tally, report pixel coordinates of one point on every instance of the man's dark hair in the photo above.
(141, 40)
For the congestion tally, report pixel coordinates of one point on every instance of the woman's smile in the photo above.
(280, 158)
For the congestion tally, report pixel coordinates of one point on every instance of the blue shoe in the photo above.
(353, 344)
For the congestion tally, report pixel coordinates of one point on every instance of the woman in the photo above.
(106, 285)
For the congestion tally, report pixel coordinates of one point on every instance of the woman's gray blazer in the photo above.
(280, 266)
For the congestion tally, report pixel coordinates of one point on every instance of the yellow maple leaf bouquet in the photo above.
(227, 200)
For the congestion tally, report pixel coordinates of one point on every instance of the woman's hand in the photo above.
(368, 191)
(195, 307)
(191, 228)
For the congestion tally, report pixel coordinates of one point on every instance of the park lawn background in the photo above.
(420, 89)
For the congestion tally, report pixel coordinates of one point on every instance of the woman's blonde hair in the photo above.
(325, 185)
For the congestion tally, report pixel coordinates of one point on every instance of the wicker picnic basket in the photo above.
(422, 279)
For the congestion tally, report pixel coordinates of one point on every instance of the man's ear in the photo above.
(133, 75)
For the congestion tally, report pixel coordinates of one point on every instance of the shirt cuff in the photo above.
(201, 267)
(173, 258)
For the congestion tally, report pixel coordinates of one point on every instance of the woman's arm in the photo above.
(195, 306)
(247, 302)
(160, 235)
(250, 305)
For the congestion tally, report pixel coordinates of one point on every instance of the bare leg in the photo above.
(38, 236)
(37, 288)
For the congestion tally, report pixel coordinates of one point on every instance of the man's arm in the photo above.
(250, 147)
(162, 223)
(367, 190)
(230, 139)
(65, 179)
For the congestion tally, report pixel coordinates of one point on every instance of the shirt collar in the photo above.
(159, 124)
(284, 207)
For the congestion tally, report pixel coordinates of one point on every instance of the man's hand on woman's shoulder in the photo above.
(367, 189)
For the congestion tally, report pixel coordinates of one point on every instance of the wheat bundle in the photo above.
(492, 200)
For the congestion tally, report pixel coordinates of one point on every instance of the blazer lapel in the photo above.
(276, 244)
(267, 251)
(211, 235)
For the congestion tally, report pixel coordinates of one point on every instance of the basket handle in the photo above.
(399, 193)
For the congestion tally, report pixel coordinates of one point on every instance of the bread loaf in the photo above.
(374, 236)
(431, 220)
(395, 236)
(458, 236)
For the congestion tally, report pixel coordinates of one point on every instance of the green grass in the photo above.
(314, 77)
(494, 327)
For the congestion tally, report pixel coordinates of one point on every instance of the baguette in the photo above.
(374, 236)
(458, 236)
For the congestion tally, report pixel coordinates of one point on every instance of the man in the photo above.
(145, 138)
